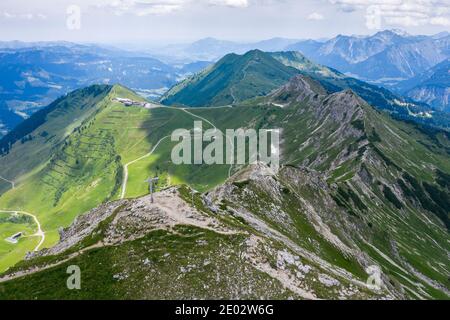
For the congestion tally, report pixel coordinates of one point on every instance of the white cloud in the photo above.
(149, 7)
(231, 3)
(404, 13)
(142, 7)
(23, 16)
(440, 21)
(315, 16)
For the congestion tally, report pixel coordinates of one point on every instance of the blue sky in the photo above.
(158, 21)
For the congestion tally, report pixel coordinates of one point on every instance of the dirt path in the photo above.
(180, 212)
(21, 274)
(39, 233)
(212, 124)
(13, 185)
(125, 168)
(201, 118)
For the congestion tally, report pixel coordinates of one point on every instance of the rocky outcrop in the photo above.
(299, 89)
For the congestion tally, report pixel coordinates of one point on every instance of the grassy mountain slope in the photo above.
(75, 159)
(357, 189)
(234, 78)
(34, 74)
(33, 140)
(237, 78)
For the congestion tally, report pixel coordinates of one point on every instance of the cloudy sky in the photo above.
(157, 21)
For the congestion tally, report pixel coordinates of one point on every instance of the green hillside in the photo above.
(356, 189)
(75, 160)
(233, 79)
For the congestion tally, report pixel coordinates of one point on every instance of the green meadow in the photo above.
(75, 166)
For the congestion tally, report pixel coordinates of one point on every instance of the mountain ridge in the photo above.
(234, 78)
(228, 82)
(356, 189)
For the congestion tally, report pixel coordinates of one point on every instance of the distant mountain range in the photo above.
(432, 86)
(34, 74)
(387, 57)
(212, 49)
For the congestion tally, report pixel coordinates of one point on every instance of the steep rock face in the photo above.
(438, 97)
(354, 50)
(277, 191)
(299, 88)
(432, 87)
(344, 106)
(297, 207)
(403, 61)
(321, 127)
